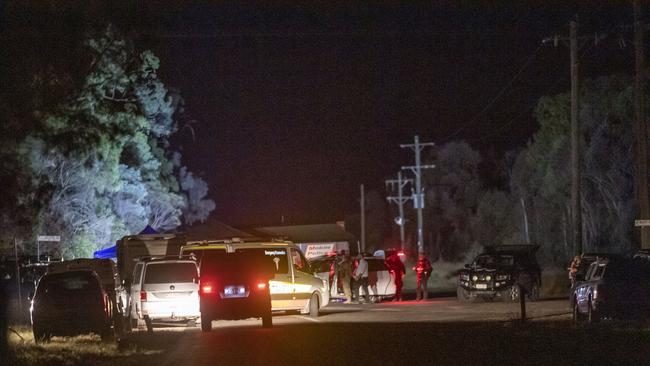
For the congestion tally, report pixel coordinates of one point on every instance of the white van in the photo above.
(164, 289)
(293, 287)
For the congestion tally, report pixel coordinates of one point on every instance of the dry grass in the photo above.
(71, 351)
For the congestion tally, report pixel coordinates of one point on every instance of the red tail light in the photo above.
(143, 295)
(207, 288)
(401, 254)
(261, 285)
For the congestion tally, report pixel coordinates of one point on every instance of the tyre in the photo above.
(267, 320)
(577, 317)
(511, 294)
(206, 324)
(148, 323)
(462, 294)
(314, 306)
(592, 315)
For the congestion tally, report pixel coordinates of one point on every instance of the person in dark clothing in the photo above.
(397, 270)
(423, 272)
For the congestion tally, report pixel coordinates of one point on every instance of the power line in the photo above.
(497, 97)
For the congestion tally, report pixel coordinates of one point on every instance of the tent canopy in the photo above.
(111, 252)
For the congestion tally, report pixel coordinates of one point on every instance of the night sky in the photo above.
(295, 106)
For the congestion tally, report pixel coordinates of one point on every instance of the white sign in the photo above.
(49, 238)
(315, 250)
(641, 222)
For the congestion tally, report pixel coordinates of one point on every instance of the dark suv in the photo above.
(71, 303)
(234, 284)
(497, 271)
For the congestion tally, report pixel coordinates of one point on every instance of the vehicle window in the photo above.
(170, 272)
(68, 283)
(487, 260)
(255, 260)
(137, 274)
(299, 261)
(597, 272)
(321, 265)
(375, 265)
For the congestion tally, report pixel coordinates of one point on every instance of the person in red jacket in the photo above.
(397, 270)
(423, 271)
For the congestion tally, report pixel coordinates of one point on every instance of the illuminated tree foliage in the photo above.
(102, 160)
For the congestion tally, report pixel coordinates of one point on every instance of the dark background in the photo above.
(295, 105)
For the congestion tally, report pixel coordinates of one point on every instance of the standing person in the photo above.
(423, 271)
(397, 270)
(361, 279)
(573, 269)
(344, 272)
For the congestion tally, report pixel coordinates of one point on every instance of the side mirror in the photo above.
(467, 266)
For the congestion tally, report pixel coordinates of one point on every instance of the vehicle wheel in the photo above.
(577, 317)
(314, 306)
(511, 294)
(462, 294)
(149, 324)
(41, 335)
(592, 315)
(267, 320)
(534, 293)
(206, 324)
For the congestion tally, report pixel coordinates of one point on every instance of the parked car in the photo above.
(71, 303)
(106, 270)
(497, 272)
(381, 284)
(164, 289)
(612, 288)
(586, 259)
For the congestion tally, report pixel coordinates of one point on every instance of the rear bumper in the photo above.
(234, 309)
(156, 310)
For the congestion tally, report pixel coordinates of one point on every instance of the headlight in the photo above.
(488, 278)
(502, 277)
(475, 278)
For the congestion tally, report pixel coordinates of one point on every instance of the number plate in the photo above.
(234, 291)
(481, 286)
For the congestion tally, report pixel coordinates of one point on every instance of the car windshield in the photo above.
(491, 261)
(257, 260)
(69, 282)
(170, 272)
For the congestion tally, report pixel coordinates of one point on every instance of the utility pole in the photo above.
(400, 200)
(640, 126)
(418, 194)
(363, 219)
(576, 207)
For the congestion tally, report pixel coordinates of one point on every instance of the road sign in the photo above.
(641, 222)
(53, 237)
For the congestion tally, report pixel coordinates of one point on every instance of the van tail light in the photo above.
(143, 295)
(599, 293)
(207, 288)
(401, 254)
(261, 285)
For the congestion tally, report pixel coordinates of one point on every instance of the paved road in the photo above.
(406, 332)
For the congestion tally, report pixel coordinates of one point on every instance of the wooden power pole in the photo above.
(640, 126)
(576, 207)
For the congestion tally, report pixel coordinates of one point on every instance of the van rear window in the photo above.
(254, 260)
(182, 272)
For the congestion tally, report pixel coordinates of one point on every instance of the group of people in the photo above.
(354, 275)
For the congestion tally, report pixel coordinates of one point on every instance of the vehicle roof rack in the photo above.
(149, 258)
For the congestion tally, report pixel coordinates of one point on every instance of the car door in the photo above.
(281, 286)
(302, 279)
